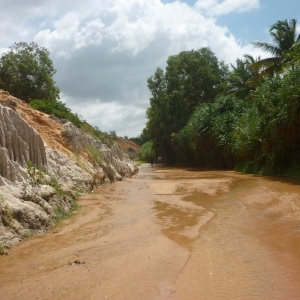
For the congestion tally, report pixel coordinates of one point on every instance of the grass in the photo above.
(95, 154)
(7, 215)
(2, 249)
(62, 214)
(28, 233)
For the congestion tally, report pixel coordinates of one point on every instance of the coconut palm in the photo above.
(293, 56)
(284, 35)
(242, 78)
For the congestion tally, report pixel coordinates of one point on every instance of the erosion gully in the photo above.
(167, 233)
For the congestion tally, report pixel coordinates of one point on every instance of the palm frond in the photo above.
(268, 48)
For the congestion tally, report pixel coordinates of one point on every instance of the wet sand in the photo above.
(167, 233)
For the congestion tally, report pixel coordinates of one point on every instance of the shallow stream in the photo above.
(168, 233)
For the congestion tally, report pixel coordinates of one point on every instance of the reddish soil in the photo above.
(167, 234)
(49, 128)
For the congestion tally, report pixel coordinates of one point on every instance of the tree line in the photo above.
(204, 113)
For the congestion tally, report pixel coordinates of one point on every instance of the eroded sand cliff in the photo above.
(44, 165)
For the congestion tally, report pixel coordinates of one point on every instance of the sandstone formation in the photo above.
(44, 166)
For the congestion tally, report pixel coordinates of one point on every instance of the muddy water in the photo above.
(170, 234)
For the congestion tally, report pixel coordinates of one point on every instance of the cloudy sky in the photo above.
(105, 50)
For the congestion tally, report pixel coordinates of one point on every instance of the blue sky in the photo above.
(254, 25)
(104, 51)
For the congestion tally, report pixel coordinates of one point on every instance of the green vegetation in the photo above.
(95, 154)
(97, 134)
(113, 135)
(55, 184)
(146, 151)
(61, 213)
(27, 233)
(284, 50)
(140, 139)
(57, 109)
(247, 117)
(6, 215)
(38, 178)
(2, 249)
(26, 72)
(191, 79)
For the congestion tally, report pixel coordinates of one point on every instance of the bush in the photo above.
(2, 249)
(57, 109)
(146, 151)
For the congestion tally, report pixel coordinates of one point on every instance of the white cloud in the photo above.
(91, 34)
(222, 7)
(105, 51)
(111, 115)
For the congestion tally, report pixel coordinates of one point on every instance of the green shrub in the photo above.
(2, 249)
(146, 151)
(61, 213)
(57, 109)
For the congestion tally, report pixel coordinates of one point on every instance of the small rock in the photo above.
(78, 262)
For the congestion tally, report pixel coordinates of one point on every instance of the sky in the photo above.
(105, 50)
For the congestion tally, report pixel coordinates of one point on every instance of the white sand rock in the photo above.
(29, 194)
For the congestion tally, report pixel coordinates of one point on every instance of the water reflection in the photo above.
(249, 247)
(181, 224)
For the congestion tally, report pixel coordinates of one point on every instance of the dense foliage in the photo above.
(26, 72)
(146, 151)
(191, 78)
(249, 118)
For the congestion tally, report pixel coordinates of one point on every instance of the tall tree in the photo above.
(26, 71)
(157, 113)
(285, 36)
(191, 77)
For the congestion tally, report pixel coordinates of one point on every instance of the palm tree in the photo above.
(242, 78)
(293, 56)
(285, 37)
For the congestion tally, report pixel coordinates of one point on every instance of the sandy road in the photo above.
(167, 234)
